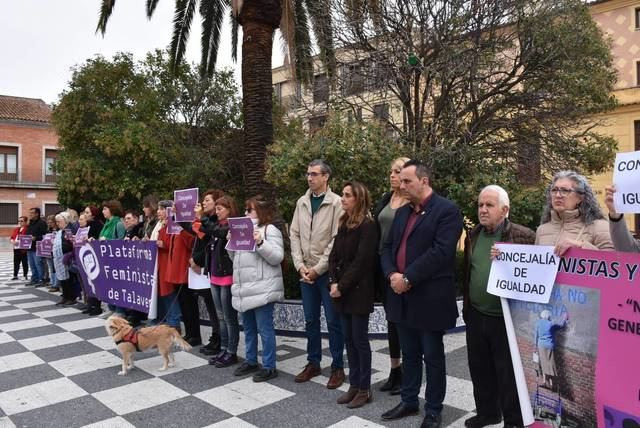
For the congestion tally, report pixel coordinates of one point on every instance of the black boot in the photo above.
(394, 382)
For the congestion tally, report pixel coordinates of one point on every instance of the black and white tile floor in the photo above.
(58, 369)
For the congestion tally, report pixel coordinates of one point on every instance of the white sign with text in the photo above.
(523, 272)
(626, 178)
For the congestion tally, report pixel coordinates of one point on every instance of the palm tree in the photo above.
(259, 20)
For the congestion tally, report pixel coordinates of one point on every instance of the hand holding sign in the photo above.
(241, 231)
(185, 202)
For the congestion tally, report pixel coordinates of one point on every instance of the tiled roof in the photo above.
(29, 109)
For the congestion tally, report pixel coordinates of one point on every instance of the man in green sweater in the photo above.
(494, 387)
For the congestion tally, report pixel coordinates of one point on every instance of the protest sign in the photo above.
(24, 242)
(173, 228)
(122, 273)
(626, 177)
(579, 351)
(185, 201)
(39, 249)
(47, 244)
(82, 235)
(241, 230)
(523, 272)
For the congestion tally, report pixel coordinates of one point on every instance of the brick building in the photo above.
(28, 147)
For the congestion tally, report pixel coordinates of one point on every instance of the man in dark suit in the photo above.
(419, 259)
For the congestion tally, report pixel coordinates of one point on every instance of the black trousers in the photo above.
(392, 330)
(211, 311)
(494, 385)
(20, 257)
(188, 302)
(355, 329)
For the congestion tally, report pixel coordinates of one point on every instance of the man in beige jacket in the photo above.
(314, 225)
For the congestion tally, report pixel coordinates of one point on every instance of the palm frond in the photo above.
(151, 7)
(106, 8)
(320, 16)
(185, 9)
(234, 37)
(288, 32)
(212, 12)
(302, 58)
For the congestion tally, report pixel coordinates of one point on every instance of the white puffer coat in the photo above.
(257, 276)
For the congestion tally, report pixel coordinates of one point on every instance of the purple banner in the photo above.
(185, 201)
(122, 273)
(173, 228)
(241, 230)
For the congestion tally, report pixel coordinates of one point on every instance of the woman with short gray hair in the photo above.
(572, 216)
(62, 246)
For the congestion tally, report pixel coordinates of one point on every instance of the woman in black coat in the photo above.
(352, 281)
(383, 215)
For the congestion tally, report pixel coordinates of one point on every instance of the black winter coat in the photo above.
(352, 265)
(37, 229)
(218, 233)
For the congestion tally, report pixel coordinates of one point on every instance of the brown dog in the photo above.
(129, 341)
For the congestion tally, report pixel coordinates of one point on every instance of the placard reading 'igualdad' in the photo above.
(523, 272)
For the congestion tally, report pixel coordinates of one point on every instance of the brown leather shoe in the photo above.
(336, 379)
(309, 371)
(347, 396)
(362, 397)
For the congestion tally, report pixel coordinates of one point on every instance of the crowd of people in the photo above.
(345, 250)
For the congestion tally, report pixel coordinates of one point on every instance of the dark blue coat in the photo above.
(430, 304)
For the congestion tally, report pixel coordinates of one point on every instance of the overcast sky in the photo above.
(40, 40)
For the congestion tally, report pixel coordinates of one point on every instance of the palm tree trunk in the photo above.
(259, 19)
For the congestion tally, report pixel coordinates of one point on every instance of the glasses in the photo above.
(563, 191)
(313, 174)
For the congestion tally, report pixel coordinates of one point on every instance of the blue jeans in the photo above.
(260, 320)
(314, 295)
(168, 309)
(418, 345)
(35, 264)
(356, 339)
(227, 317)
(53, 280)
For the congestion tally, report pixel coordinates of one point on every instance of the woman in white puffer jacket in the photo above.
(257, 285)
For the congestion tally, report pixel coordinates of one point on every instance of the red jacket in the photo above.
(179, 255)
(18, 231)
(164, 286)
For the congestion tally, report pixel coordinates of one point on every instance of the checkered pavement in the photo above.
(59, 369)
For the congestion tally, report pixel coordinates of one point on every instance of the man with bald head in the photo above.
(494, 386)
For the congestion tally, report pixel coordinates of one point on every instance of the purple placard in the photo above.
(47, 244)
(173, 228)
(241, 230)
(39, 249)
(185, 201)
(122, 273)
(24, 242)
(82, 235)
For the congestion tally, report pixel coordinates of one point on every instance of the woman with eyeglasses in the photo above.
(257, 285)
(572, 216)
(19, 256)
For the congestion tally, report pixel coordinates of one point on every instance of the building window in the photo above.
(49, 159)
(316, 122)
(52, 209)
(320, 88)
(381, 112)
(277, 92)
(354, 114)
(352, 79)
(637, 18)
(8, 163)
(9, 213)
(380, 75)
(637, 73)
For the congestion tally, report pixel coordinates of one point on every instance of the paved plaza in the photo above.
(59, 369)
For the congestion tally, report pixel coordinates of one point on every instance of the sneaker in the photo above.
(15, 278)
(106, 315)
(213, 360)
(265, 374)
(245, 368)
(226, 360)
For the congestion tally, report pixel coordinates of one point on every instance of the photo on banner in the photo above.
(579, 351)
